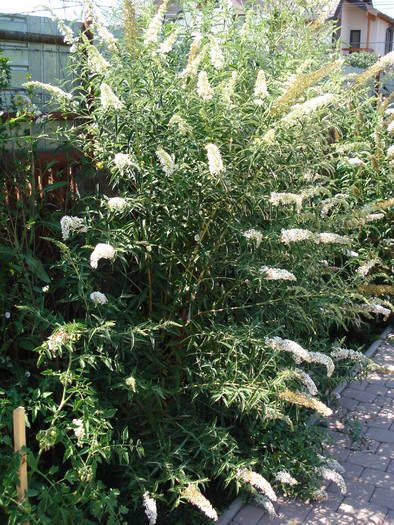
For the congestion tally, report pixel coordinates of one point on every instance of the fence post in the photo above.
(18, 417)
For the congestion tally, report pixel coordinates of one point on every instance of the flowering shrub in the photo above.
(199, 293)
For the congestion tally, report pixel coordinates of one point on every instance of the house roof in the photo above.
(365, 5)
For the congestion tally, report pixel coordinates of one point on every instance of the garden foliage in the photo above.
(233, 223)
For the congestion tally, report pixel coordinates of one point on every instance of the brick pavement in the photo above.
(368, 461)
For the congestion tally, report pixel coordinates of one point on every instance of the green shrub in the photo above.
(361, 59)
(213, 249)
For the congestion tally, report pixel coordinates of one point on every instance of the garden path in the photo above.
(366, 414)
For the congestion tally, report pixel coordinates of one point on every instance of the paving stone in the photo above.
(294, 520)
(365, 411)
(390, 392)
(348, 403)
(359, 385)
(390, 517)
(378, 389)
(385, 451)
(249, 515)
(355, 489)
(389, 382)
(384, 497)
(383, 401)
(352, 471)
(367, 459)
(384, 436)
(332, 503)
(359, 395)
(367, 513)
(292, 513)
(383, 419)
(340, 454)
(378, 478)
(328, 518)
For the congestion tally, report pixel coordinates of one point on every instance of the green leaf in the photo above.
(37, 268)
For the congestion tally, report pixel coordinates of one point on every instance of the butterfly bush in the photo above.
(231, 164)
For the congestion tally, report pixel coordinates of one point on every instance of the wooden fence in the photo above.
(54, 177)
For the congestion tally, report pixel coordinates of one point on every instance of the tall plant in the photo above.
(207, 269)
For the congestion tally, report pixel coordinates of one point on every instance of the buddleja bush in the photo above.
(240, 182)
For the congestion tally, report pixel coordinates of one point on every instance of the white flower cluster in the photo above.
(166, 160)
(101, 251)
(168, 44)
(260, 88)
(332, 464)
(323, 359)
(96, 61)
(345, 353)
(269, 137)
(267, 505)
(258, 482)
(284, 477)
(214, 160)
(364, 269)
(371, 217)
(320, 495)
(194, 496)
(98, 298)
(183, 127)
(286, 198)
(308, 107)
(253, 235)
(194, 58)
(390, 127)
(286, 345)
(106, 36)
(78, 428)
(66, 32)
(330, 238)
(57, 339)
(277, 274)
(53, 90)
(355, 161)
(299, 353)
(131, 383)
(307, 381)
(335, 477)
(108, 98)
(328, 204)
(247, 25)
(375, 308)
(217, 58)
(309, 402)
(390, 152)
(150, 508)
(71, 224)
(204, 88)
(228, 90)
(122, 161)
(116, 204)
(295, 235)
(151, 35)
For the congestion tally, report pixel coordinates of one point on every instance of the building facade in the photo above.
(361, 27)
(35, 48)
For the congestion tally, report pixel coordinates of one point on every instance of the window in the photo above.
(389, 40)
(355, 38)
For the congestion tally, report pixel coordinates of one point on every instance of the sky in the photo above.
(74, 10)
